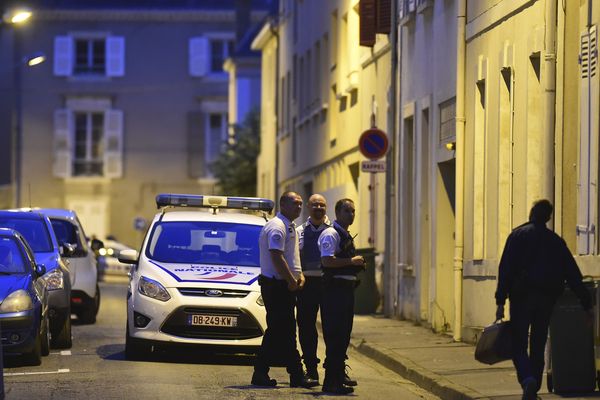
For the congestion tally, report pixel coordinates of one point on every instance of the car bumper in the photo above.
(80, 301)
(19, 331)
(168, 321)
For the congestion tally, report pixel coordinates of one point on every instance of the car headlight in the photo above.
(54, 279)
(16, 301)
(260, 301)
(151, 288)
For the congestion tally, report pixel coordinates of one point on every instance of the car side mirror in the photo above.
(40, 269)
(129, 256)
(67, 249)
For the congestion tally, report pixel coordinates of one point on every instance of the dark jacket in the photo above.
(537, 260)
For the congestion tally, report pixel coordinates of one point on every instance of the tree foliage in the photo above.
(235, 168)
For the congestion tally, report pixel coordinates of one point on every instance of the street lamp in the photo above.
(16, 15)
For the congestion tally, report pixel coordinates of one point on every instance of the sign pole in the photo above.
(1, 367)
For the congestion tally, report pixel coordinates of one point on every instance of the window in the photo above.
(219, 51)
(217, 136)
(89, 150)
(208, 53)
(90, 56)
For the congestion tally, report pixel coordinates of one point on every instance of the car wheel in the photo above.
(61, 338)
(35, 357)
(45, 337)
(135, 349)
(88, 316)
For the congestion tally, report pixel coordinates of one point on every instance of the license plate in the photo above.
(212, 320)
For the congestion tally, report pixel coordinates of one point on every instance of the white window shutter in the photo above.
(63, 55)
(115, 56)
(62, 143)
(199, 48)
(113, 143)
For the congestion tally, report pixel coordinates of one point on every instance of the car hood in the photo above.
(10, 283)
(184, 274)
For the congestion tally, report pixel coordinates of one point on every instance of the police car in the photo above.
(195, 280)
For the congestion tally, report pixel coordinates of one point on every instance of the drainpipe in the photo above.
(390, 176)
(549, 85)
(274, 27)
(460, 166)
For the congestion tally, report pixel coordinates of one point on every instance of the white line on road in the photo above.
(65, 353)
(60, 371)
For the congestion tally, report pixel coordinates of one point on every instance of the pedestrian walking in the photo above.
(533, 269)
(309, 298)
(281, 276)
(340, 268)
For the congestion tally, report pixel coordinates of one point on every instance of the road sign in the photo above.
(372, 166)
(373, 143)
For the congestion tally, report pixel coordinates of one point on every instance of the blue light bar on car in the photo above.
(194, 200)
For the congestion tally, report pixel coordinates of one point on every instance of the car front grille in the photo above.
(210, 292)
(177, 325)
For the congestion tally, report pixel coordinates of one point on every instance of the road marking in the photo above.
(65, 353)
(60, 371)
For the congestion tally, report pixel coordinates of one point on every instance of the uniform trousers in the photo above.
(531, 310)
(337, 314)
(279, 341)
(309, 301)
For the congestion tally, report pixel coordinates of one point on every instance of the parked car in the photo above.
(195, 281)
(23, 300)
(108, 259)
(85, 293)
(37, 230)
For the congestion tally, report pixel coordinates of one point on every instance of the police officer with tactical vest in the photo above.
(310, 296)
(340, 268)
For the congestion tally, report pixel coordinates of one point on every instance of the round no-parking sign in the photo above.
(373, 143)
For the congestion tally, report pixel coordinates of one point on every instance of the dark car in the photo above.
(37, 230)
(23, 300)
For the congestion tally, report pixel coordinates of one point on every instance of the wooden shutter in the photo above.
(196, 139)
(63, 55)
(368, 19)
(199, 49)
(384, 16)
(587, 194)
(62, 143)
(113, 143)
(115, 56)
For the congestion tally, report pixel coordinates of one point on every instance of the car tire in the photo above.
(45, 337)
(61, 338)
(35, 356)
(88, 315)
(135, 349)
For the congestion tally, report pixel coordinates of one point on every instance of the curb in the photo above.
(422, 377)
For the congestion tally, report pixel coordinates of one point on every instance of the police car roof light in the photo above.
(193, 200)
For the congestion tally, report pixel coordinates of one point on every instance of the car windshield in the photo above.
(35, 232)
(11, 257)
(206, 243)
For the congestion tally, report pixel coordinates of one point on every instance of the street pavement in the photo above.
(436, 362)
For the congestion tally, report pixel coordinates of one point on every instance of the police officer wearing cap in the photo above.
(340, 268)
(309, 298)
(281, 277)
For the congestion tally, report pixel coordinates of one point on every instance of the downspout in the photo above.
(549, 98)
(274, 26)
(390, 176)
(460, 166)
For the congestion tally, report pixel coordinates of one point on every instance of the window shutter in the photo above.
(368, 15)
(196, 143)
(115, 56)
(63, 56)
(384, 16)
(62, 143)
(113, 143)
(199, 56)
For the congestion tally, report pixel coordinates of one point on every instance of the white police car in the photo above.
(195, 280)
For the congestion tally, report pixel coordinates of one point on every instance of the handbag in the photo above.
(495, 343)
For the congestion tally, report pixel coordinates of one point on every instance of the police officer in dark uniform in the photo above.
(533, 269)
(340, 268)
(309, 297)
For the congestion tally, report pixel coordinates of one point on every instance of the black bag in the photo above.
(494, 345)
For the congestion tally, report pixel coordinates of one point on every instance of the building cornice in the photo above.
(144, 15)
(263, 36)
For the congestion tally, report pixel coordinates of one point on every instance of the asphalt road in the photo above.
(95, 368)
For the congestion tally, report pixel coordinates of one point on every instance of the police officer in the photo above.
(533, 269)
(281, 276)
(309, 298)
(340, 267)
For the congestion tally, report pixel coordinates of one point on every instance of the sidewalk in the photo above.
(434, 361)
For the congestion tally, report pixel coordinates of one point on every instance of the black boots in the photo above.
(312, 373)
(347, 380)
(262, 379)
(334, 382)
(529, 389)
(300, 379)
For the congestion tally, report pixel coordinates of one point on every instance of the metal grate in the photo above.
(211, 292)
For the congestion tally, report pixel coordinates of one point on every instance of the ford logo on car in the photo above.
(214, 293)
